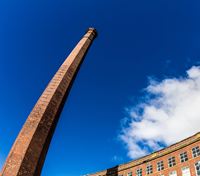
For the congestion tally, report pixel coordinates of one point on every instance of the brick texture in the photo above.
(28, 153)
(163, 155)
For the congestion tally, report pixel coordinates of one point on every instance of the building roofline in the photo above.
(156, 154)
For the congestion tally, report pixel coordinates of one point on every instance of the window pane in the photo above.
(160, 165)
(197, 166)
(173, 173)
(139, 172)
(186, 171)
(130, 174)
(196, 151)
(183, 157)
(171, 161)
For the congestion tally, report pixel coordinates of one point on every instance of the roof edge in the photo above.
(156, 154)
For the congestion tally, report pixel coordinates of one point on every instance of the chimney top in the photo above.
(92, 30)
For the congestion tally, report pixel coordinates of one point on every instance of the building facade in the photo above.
(180, 159)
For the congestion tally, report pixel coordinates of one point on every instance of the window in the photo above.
(160, 165)
(183, 157)
(196, 151)
(197, 166)
(139, 172)
(172, 161)
(185, 171)
(173, 173)
(129, 174)
(149, 169)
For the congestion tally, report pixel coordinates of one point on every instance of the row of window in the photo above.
(185, 171)
(171, 162)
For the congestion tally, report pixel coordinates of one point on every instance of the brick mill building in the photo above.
(180, 159)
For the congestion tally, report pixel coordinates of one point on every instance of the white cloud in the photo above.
(169, 112)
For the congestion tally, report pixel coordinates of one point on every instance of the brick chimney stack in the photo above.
(28, 153)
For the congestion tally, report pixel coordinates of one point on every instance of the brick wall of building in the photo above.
(189, 149)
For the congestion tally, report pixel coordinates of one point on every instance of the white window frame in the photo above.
(196, 151)
(173, 172)
(171, 161)
(183, 157)
(149, 169)
(195, 165)
(184, 168)
(160, 165)
(130, 174)
(139, 172)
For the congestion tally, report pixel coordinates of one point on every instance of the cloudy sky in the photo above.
(137, 91)
(168, 112)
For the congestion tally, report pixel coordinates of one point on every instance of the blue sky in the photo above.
(137, 39)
